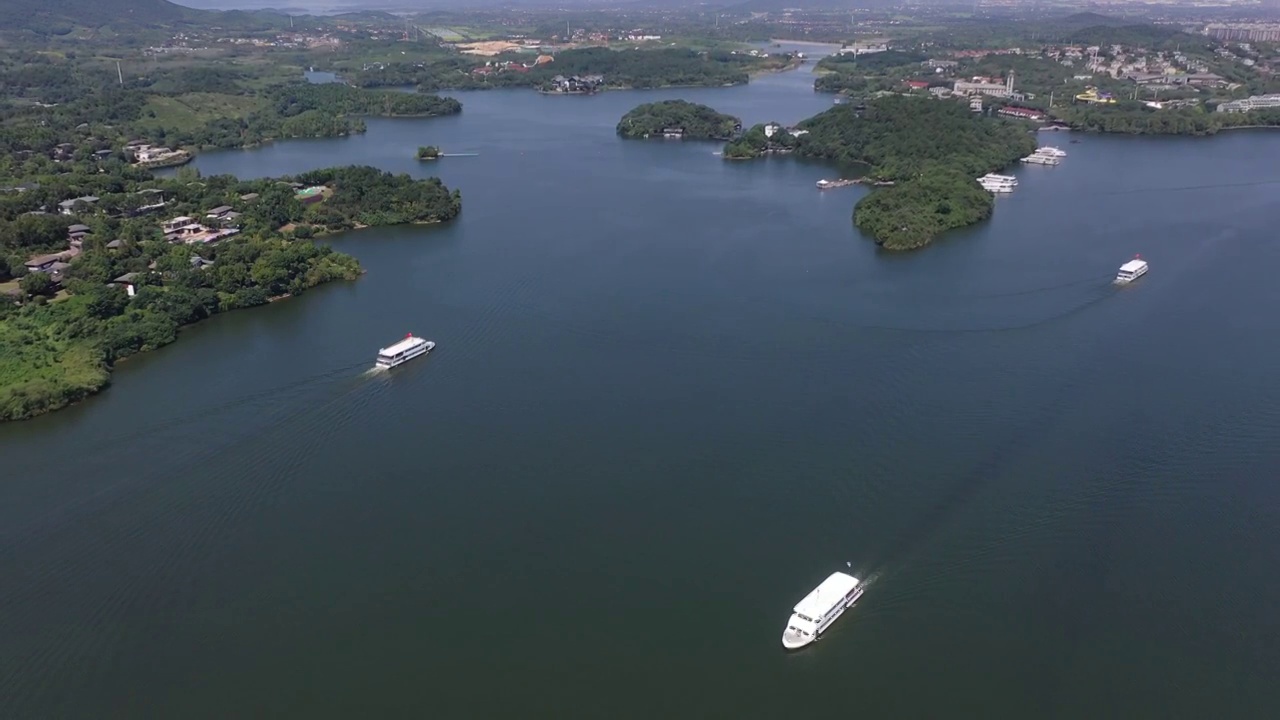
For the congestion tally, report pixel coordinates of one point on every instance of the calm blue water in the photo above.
(671, 394)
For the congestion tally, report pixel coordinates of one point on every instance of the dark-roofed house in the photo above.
(129, 281)
(199, 263)
(68, 207)
(218, 212)
(77, 234)
(115, 244)
(42, 263)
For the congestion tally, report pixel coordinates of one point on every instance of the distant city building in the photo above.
(983, 86)
(1255, 32)
(1257, 102)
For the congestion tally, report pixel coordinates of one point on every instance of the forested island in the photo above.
(930, 150)
(678, 118)
(118, 279)
(428, 152)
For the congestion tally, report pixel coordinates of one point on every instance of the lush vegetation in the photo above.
(902, 137)
(930, 150)
(1136, 119)
(46, 99)
(912, 213)
(428, 152)
(629, 68)
(871, 63)
(368, 196)
(55, 353)
(697, 122)
(756, 142)
(56, 349)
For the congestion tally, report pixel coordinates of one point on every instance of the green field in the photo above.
(194, 110)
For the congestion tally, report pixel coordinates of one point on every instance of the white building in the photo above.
(1257, 102)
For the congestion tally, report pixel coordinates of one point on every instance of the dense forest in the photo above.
(902, 137)
(930, 150)
(1136, 119)
(756, 142)
(56, 349)
(55, 353)
(910, 214)
(697, 122)
(630, 68)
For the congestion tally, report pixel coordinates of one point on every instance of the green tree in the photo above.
(36, 283)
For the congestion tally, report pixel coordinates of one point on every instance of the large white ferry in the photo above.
(403, 351)
(1131, 271)
(1050, 151)
(1039, 158)
(998, 183)
(815, 613)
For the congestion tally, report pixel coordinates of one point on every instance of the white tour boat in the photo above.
(1039, 158)
(1050, 151)
(815, 613)
(998, 183)
(403, 351)
(1130, 271)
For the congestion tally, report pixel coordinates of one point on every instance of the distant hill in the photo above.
(58, 17)
(61, 17)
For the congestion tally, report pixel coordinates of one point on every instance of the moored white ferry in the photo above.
(1050, 151)
(1131, 271)
(815, 613)
(403, 351)
(998, 183)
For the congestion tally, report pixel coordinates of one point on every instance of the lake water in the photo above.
(671, 394)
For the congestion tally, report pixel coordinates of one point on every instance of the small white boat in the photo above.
(403, 351)
(815, 613)
(1050, 151)
(1130, 271)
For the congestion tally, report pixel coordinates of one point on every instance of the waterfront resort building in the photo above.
(1256, 102)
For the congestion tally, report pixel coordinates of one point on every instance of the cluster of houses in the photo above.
(576, 83)
(147, 155)
(218, 224)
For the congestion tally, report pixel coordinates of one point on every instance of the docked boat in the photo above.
(998, 183)
(819, 609)
(1050, 151)
(1130, 271)
(1036, 158)
(403, 351)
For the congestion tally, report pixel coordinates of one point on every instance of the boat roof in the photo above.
(825, 596)
(405, 344)
(1133, 265)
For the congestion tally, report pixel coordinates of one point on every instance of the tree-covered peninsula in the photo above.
(141, 257)
(930, 150)
(679, 118)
